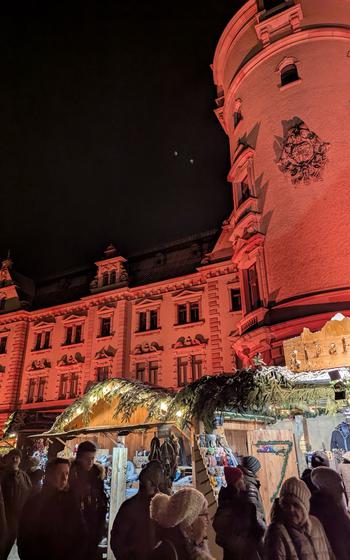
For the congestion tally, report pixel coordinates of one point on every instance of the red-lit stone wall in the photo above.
(294, 233)
(50, 377)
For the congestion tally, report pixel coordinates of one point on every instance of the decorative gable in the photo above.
(111, 272)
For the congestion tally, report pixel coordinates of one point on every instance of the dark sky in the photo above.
(95, 97)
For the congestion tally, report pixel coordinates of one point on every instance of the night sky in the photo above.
(95, 98)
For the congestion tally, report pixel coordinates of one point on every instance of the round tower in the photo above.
(282, 72)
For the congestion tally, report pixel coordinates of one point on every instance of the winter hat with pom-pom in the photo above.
(182, 508)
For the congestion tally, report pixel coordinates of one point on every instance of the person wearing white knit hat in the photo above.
(293, 533)
(328, 505)
(183, 521)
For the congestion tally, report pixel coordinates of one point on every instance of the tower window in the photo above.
(252, 287)
(236, 300)
(289, 74)
(237, 117)
(113, 277)
(3, 343)
(2, 303)
(105, 279)
(153, 320)
(194, 312)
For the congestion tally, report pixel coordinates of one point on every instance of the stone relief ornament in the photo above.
(303, 155)
(70, 360)
(39, 364)
(147, 347)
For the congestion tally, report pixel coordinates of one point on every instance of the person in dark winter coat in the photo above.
(318, 459)
(16, 488)
(250, 466)
(51, 525)
(133, 531)
(294, 534)
(236, 524)
(86, 482)
(328, 505)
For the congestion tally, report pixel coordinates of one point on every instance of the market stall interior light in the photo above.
(163, 406)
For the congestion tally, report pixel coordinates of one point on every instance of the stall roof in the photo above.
(121, 404)
(101, 429)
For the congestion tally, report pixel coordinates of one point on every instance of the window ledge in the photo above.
(290, 85)
(192, 324)
(232, 312)
(34, 351)
(149, 331)
(71, 344)
(104, 337)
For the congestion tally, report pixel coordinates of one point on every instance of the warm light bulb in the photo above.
(179, 413)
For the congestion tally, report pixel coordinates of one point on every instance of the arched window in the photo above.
(289, 74)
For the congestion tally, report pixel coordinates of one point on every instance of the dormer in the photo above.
(276, 19)
(16, 291)
(111, 272)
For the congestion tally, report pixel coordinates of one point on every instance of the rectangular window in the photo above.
(237, 117)
(142, 321)
(182, 372)
(41, 389)
(3, 343)
(182, 314)
(63, 387)
(105, 279)
(47, 336)
(69, 335)
(106, 326)
(102, 373)
(236, 300)
(153, 319)
(38, 341)
(253, 299)
(141, 371)
(2, 303)
(74, 386)
(196, 367)
(31, 389)
(78, 331)
(153, 373)
(194, 312)
(244, 190)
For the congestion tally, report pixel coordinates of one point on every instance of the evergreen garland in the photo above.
(268, 391)
(284, 452)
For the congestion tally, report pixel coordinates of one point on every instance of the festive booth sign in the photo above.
(281, 448)
(324, 349)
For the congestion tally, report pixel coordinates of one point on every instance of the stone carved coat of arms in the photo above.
(303, 155)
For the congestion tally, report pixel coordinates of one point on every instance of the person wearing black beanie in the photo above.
(250, 467)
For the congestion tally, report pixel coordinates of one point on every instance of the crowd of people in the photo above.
(61, 518)
(64, 517)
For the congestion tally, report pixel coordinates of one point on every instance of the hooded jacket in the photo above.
(335, 521)
(341, 437)
(284, 542)
(88, 489)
